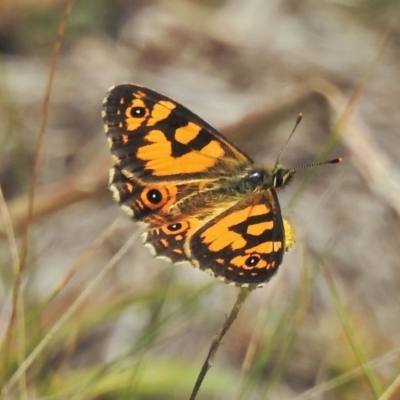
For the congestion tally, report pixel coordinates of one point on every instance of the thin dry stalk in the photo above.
(242, 296)
(70, 312)
(16, 299)
(84, 185)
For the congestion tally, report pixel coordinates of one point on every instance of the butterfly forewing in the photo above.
(153, 138)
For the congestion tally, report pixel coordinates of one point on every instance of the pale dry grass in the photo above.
(95, 316)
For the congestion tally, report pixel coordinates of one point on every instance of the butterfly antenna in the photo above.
(298, 120)
(317, 164)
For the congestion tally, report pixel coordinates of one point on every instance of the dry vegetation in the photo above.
(92, 315)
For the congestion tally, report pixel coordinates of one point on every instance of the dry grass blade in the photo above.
(266, 116)
(136, 333)
(16, 300)
(319, 390)
(373, 164)
(42, 129)
(69, 313)
(352, 336)
(83, 185)
(8, 228)
(391, 391)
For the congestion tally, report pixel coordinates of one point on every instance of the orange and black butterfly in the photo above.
(203, 200)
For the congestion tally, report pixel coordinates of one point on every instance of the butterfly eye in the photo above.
(252, 261)
(255, 176)
(154, 196)
(138, 112)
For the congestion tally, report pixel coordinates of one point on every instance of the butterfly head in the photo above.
(262, 178)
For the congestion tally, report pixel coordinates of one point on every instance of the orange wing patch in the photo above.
(249, 238)
(220, 235)
(160, 112)
(158, 155)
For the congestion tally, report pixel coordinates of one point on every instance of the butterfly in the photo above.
(202, 199)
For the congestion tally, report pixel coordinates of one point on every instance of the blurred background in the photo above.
(95, 316)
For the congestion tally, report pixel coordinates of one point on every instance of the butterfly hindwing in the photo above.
(168, 241)
(243, 244)
(157, 203)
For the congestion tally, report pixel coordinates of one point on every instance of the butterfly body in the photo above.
(202, 199)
